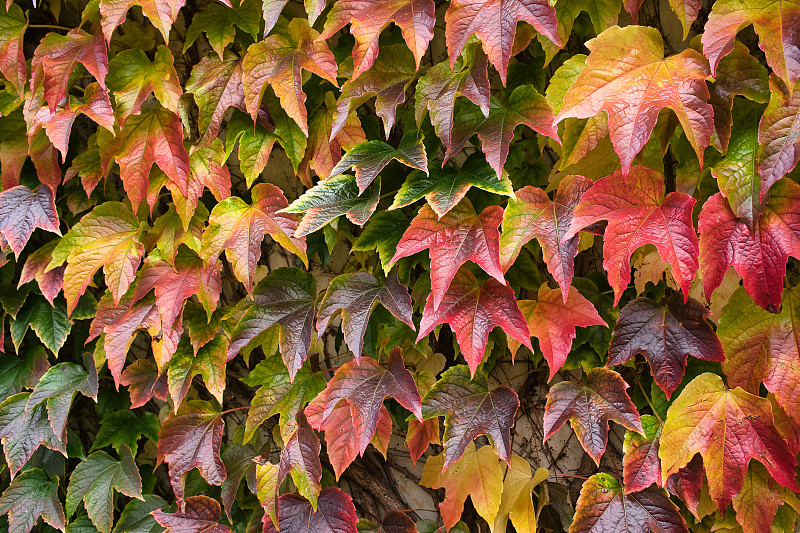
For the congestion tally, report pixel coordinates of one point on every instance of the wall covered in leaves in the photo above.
(362, 266)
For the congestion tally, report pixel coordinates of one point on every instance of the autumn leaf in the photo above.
(278, 61)
(728, 427)
(589, 408)
(459, 236)
(627, 76)
(367, 20)
(496, 130)
(531, 214)
(144, 382)
(208, 362)
(759, 257)
(286, 298)
(420, 435)
(516, 503)
(201, 515)
(762, 347)
(240, 463)
(335, 513)
(23, 431)
(666, 335)
(192, 438)
(219, 23)
(774, 22)
(369, 158)
(332, 198)
(477, 474)
(495, 24)
(757, 504)
(12, 59)
(341, 435)
(439, 88)
(154, 136)
(272, 9)
(162, 14)
(239, 229)
(392, 522)
(329, 134)
(387, 80)
(779, 135)
(56, 58)
(23, 210)
(602, 15)
(638, 213)
(641, 466)
(133, 77)
(364, 385)
(471, 409)
(94, 481)
(216, 85)
(687, 483)
(553, 319)
(603, 506)
(31, 496)
(356, 295)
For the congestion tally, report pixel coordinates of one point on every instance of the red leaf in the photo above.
(638, 213)
(201, 515)
(627, 76)
(12, 58)
(23, 210)
(57, 56)
(776, 24)
(495, 24)
(439, 88)
(496, 130)
(604, 508)
(779, 135)
(471, 409)
(473, 310)
(300, 456)
(162, 14)
(144, 382)
(335, 513)
(278, 61)
(531, 214)
(174, 285)
(728, 427)
(687, 483)
(459, 236)
(154, 136)
(553, 319)
(420, 435)
(758, 257)
(589, 408)
(364, 385)
(367, 20)
(641, 466)
(666, 336)
(356, 295)
(35, 268)
(285, 298)
(191, 438)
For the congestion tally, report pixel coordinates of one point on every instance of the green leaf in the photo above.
(137, 517)
(94, 481)
(382, 233)
(218, 21)
(50, 323)
(32, 495)
(334, 197)
(444, 188)
(209, 362)
(124, 428)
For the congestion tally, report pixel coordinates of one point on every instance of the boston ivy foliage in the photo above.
(281, 266)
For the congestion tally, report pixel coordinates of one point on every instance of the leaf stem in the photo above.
(241, 408)
(50, 27)
(647, 397)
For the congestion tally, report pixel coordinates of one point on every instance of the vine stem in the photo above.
(241, 408)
